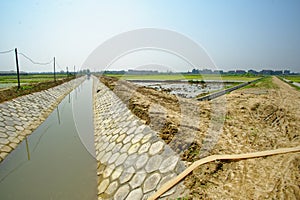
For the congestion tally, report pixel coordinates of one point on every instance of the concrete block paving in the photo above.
(21, 116)
(132, 161)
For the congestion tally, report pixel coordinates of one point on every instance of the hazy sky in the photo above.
(237, 34)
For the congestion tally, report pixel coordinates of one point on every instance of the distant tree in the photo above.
(195, 71)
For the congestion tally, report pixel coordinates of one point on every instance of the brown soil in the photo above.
(13, 92)
(254, 119)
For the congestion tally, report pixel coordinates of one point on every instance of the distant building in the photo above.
(242, 72)
(205, 71)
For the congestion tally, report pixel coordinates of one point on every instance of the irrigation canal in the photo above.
(67, 158)
(60, 165)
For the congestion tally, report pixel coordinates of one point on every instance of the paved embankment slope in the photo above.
(21, 116)
(132, 161)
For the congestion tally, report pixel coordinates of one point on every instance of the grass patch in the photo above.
(26, 87)
(266, 83)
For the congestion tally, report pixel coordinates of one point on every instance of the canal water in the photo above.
(60, 165)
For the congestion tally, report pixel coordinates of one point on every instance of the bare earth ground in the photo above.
(254, 119)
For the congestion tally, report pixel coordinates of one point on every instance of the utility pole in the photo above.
(54, 69)
(67, 71)
(17, 64)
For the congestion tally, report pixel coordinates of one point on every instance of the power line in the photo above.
(7, 51)
(34, 62)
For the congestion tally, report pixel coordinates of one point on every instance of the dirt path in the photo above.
(254, 119)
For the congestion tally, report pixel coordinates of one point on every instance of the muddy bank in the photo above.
(186, 89)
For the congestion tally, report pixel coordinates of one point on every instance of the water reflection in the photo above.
(58, 117)
(60, 167)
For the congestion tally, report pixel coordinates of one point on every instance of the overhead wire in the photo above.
(34, 62)
(7, 51)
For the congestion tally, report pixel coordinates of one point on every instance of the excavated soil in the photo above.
(247, 120)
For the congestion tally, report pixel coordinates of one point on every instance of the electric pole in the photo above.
(18, 71)
(54, 69)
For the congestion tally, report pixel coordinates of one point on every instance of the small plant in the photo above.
(26, 87)
(182, 198)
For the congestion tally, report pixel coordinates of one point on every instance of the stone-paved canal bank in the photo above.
(132, 161)
(21, 116)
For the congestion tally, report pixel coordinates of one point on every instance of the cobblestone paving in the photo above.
(132, 161)
(21, 116)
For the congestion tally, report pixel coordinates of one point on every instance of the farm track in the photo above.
(255, 119)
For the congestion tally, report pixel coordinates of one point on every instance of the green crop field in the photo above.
(184, 77)
(294, 78)
(32, 78)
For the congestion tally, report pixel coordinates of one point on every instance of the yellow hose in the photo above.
(196, 164)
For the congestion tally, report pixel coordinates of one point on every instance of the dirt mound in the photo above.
(255, 119)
